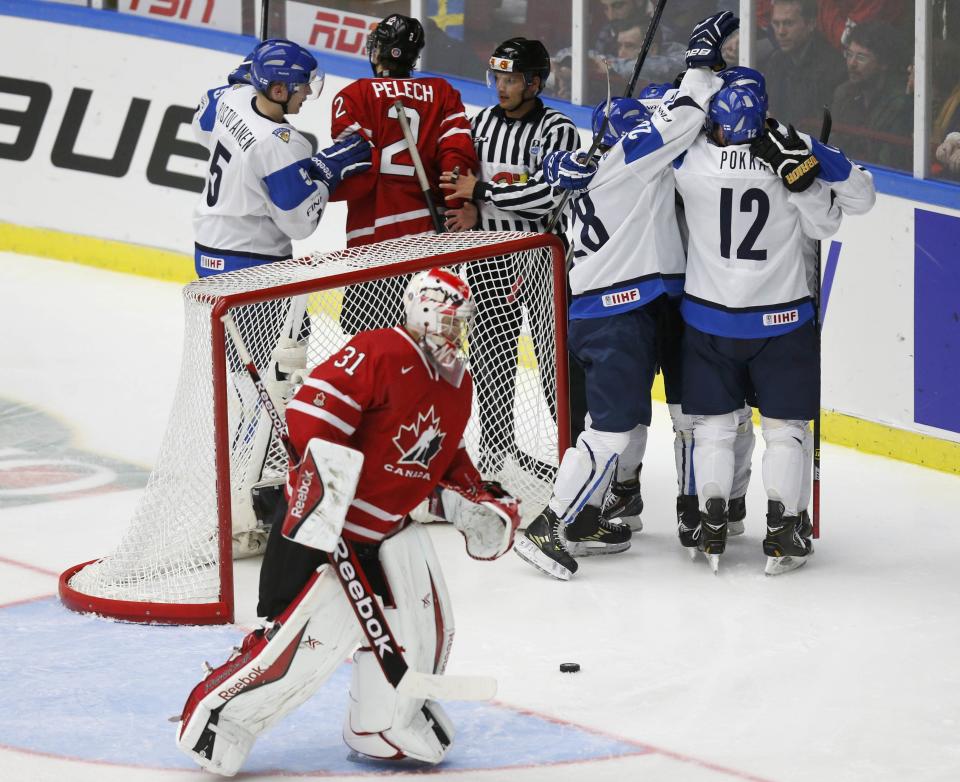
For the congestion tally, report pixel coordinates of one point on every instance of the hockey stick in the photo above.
(418, 166)
(264, 17)
(350, 572)
(598, 136)
(825, 129)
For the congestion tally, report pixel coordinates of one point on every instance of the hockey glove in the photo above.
(707, 39)
(787, 156)
(567, 171)
(341, 160)
(486, 516)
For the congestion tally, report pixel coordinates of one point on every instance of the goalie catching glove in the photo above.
(787, 155)
(485, 515)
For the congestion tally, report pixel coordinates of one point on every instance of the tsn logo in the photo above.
(179, 9)
(344, 33)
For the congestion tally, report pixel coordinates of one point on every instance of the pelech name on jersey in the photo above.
(403, 88)
(740, 160)
(234, 125)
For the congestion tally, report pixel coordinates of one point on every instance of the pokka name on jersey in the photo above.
(781, 318)
(235, 126)
(740, 160)
(403, 88)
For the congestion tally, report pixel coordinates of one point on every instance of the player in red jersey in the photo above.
(386, 202)
(393, 404)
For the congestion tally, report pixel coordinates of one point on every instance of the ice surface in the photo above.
(843, 670)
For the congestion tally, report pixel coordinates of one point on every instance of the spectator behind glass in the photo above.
(837, 18)
(872, 112)
(944, 135)
(618, 16)
(803, 72)
(664, 60)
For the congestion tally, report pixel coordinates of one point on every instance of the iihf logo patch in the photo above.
(283, 134)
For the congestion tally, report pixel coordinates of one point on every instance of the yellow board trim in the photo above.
(838, 428)
(99, 253)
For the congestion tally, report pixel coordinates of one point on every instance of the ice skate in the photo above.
(590, 534)
(713, 535)
(688, 523)
(785, 545)
(736, 513)
(543, 547)
(623, 503)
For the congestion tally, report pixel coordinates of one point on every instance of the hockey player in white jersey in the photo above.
(749, 319)
(627, 259)
(263, 189)
(263, 185)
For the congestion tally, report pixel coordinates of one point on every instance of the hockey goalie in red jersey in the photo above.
(380, 425)
(387, 202)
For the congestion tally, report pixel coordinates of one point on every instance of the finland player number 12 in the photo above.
(746, 250)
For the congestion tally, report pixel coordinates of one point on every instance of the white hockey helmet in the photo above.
(438, 311)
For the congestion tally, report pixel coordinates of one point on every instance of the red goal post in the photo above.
(174, 564)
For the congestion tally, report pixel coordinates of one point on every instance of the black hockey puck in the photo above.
(569, 667)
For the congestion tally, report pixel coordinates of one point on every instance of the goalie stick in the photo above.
(631, 85)
(418, 166)
(825, 129)
(345, 564)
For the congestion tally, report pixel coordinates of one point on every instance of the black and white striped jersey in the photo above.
(512, 194)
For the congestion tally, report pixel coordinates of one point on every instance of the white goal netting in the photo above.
(174, 549)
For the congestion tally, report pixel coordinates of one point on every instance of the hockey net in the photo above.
(174, 563)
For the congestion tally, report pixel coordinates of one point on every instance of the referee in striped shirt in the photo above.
(511, 140)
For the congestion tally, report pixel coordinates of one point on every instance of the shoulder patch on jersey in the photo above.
(283, 134)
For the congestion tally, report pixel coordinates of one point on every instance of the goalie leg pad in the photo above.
(714, 436)
(382, 723)
(272, 673)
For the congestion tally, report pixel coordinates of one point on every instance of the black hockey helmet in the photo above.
(522, 55)
(398, 39)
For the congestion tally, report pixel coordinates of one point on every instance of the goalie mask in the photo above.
(438, 313)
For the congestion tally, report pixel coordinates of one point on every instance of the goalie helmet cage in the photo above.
(174, 563)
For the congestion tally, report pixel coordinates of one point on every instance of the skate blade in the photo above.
(714, 560)
(692, 551)
(778, 565)
(529, 553)
(734, 528)
(592, 549)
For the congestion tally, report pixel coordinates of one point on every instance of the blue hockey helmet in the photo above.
(278, 61)
(741, 76)
(739, 112)
(625, 114)
(652, 95)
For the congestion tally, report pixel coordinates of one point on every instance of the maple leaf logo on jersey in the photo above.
(419, 442)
